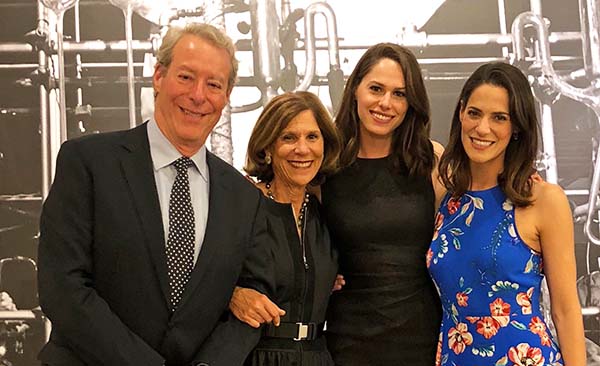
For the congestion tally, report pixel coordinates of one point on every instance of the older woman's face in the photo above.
(297, 153)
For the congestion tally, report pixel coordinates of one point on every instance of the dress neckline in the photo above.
(372, 159)
(491, 189)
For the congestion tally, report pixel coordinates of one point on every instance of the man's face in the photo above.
(191, 92)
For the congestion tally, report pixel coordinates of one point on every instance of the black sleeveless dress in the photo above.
(381, 223)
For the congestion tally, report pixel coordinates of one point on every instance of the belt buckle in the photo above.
(302, 332)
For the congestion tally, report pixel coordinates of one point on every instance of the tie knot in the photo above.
(182, 164)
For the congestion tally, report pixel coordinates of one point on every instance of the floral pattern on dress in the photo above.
(453, 205)
(459, 338)
(524, 300)
(489, 285)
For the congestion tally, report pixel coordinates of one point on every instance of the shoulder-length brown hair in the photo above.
(411, 149)
(521, 151)
(275, 117)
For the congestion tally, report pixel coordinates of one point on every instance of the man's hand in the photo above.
(254, 308)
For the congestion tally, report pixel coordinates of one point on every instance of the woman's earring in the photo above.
(268, 159)
(515, 136)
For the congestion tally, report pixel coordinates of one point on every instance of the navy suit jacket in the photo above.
(102, 264)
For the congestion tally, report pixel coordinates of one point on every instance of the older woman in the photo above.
(293, 144)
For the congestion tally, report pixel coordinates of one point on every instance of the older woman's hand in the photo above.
(254, 308)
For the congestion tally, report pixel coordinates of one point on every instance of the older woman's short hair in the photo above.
(208, 33)
(275, 117)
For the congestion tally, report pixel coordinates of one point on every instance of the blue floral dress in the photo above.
(489, 284)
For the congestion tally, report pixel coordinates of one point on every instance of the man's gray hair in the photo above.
(208, 33)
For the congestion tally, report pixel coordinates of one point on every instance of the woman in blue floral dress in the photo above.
(499, 230)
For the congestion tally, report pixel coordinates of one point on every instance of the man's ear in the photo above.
(159, 74)
(229, 94)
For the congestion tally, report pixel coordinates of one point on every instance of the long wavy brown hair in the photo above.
(515, 179)
(411, 149)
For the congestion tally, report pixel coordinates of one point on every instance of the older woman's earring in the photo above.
(268, 159)
(515, 136)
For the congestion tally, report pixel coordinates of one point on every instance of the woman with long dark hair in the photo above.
(380, 209)
(499, 231)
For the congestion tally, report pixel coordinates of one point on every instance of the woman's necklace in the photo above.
(300, 221)
(302, 214)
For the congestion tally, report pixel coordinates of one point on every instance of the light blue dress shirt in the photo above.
(163, 155)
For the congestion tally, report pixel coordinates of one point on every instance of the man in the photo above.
(139, 252)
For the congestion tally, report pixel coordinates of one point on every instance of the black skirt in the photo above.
(286, 352)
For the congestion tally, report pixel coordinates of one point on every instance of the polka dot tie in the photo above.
(182, 232)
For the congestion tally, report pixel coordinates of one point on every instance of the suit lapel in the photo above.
(219, 214)
(139, 174)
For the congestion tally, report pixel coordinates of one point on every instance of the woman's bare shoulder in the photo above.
(438, 149)
(548, 197)
(438, 187)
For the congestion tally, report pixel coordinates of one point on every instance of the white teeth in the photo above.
(298, 164)
(190, 113)
(381, 116)
(481, 143)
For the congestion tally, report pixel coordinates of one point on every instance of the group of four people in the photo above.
(145, 235)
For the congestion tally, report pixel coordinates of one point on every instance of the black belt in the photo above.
(295, 331)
